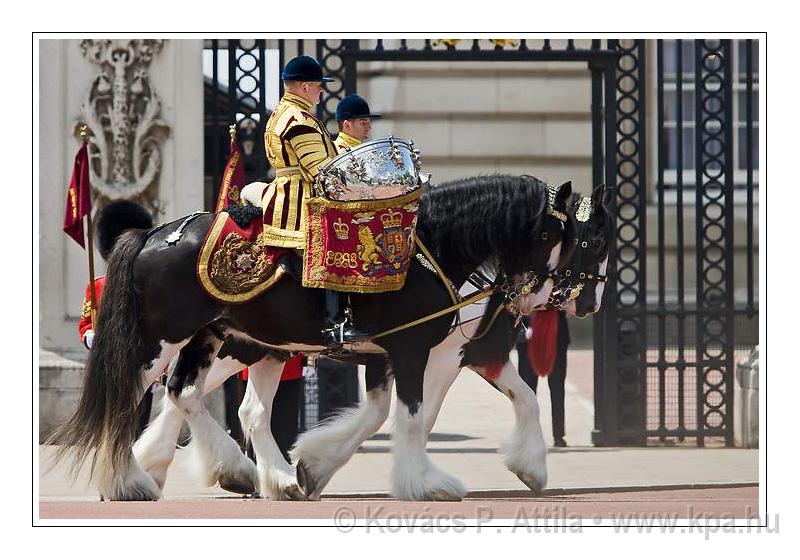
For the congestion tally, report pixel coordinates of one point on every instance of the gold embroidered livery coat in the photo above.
(297, 144)
(344, 141)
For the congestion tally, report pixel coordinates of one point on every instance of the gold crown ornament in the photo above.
(341, 229)
(391, 219)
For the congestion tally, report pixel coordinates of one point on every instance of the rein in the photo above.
(477, 296)
(485, 289)
(512, 292)
(427, 261)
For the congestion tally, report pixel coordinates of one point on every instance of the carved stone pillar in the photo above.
(123, 112)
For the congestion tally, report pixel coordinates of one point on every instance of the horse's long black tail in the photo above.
(105, 420)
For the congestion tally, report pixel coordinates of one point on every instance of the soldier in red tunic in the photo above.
(114, 219)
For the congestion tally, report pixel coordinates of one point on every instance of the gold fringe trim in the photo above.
(203, 263)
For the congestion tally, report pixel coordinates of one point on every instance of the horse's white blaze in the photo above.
(414, 476)
(327, 447)
(598, 290)
(555, 254)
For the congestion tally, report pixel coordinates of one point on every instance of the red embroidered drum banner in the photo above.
(360, 246)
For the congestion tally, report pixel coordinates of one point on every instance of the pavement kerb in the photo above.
(480, 494)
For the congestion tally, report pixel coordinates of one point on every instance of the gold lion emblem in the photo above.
(367, 250)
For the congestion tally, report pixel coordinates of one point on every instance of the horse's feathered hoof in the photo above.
(237, 486)
(294, 493)
(441, 496)
(305, 479)
(536, 487)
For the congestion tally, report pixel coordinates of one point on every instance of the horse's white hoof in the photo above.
(239, 479)
(441, 496)
(432, 484)
(536, 485)
(137, 486)
(293, 493)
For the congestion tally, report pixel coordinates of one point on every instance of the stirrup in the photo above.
(343, 332)
(335, 334)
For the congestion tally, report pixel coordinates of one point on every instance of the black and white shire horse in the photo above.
(482, 344)
(154, 308)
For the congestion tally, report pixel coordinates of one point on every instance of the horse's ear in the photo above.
(597, 195)
(563, 193)
(608, 196)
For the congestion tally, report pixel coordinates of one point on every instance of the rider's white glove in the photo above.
(88, 339)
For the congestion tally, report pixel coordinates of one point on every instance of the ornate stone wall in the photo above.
(143, 103)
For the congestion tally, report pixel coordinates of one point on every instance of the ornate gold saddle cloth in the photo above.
(363, 246)
(234, 265)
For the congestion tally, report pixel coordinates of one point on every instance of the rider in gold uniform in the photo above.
(297, 145)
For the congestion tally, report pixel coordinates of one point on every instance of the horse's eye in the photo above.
(545, 235)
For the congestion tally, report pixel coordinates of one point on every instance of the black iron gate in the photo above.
(664, 354)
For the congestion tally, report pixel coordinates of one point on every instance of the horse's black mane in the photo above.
(489, 220)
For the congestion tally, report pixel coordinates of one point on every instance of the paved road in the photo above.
(729, 502)
(475, 420)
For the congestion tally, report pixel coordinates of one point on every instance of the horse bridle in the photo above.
(532, 280)
(564, 289)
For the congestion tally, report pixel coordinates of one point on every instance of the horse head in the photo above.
(557, 232)
(581, 280)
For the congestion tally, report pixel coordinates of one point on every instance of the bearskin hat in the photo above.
(117, 217)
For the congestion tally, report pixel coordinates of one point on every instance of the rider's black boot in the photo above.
(339, 327)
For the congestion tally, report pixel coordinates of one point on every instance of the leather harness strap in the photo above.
(470, 300)
(458, 301)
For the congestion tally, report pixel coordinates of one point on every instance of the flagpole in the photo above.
(90, 241)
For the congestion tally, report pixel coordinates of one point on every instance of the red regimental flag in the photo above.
(232, 179)
(79, 193)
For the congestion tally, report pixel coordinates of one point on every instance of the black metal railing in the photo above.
(689, 381)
